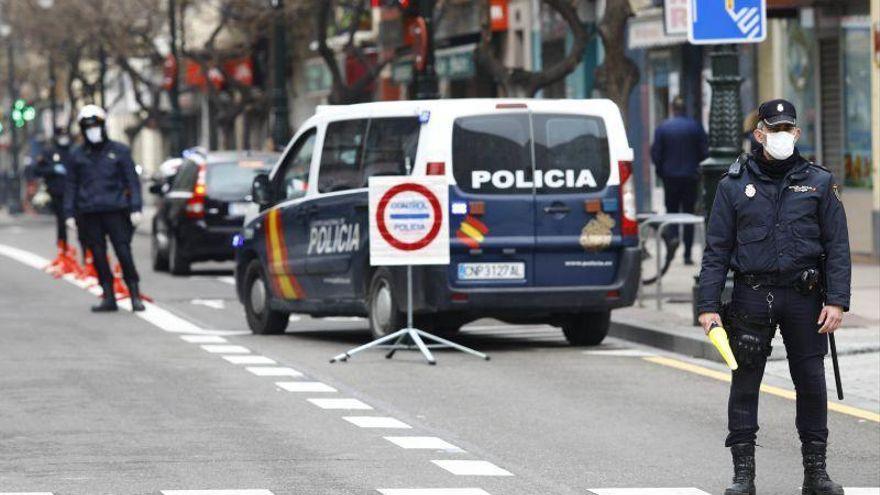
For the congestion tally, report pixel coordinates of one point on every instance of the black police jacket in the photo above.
(52, 166)
(101, 178)
(760, 226)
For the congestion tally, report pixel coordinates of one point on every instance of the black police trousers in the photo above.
(796, 314)
(58, 210)
(117, 226)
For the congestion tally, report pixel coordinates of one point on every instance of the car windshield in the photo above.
(233, 180)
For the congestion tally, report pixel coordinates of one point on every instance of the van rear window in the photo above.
(491, 154)
(571, 154)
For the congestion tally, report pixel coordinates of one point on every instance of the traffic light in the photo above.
(22, 113)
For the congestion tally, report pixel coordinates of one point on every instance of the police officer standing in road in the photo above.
(52, 166)
(776, 216)
(104, 190)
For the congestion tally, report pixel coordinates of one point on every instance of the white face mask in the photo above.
(63, 140)
(779, 145)
(95, 135)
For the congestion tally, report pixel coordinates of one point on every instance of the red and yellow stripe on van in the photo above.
(472, 232)
(283, 282)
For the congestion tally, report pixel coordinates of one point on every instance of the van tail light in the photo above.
(629, 226)
(436, 168)
(195, 206)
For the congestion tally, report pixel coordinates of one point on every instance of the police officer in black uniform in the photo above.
(52, 168)
(104, 190)
(776, 217)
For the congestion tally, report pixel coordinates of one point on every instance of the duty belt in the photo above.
(770, 279)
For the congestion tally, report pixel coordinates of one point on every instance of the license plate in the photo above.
(491, 271)
(238, 209)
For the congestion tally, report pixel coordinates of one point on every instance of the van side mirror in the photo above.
(260, 191)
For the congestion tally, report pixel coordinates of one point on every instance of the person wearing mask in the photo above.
(680, 144)
(776, 221)
(103, 188)
(51, 166)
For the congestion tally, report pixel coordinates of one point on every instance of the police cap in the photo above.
(776, 112)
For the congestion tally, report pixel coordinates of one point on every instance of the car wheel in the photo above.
(262, 319)
(157, 256)
(177, 262)
(587, 329)
(385, 314)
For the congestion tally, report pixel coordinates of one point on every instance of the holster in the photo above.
(750, 338)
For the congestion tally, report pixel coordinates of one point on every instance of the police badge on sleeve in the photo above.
(750, 190)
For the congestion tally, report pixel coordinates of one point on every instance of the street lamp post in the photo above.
(280, 124)
(174, 91)
(426, 78)
(13, 186)
(725, 129)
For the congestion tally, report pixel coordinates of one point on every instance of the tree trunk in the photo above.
(618, 75)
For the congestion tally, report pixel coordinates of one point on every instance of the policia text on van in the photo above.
(542, 217)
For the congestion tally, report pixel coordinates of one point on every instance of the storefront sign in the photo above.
(498, 11)
(318, 78)
(648, 30)
(452, 63)
(675, 14)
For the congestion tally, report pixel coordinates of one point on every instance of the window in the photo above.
(342, 155)
(293, 178)
(391, 146)
(571, 153)
(492, 154)
(186, 177)
(231, 180)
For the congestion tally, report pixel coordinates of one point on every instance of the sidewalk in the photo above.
(858, 341)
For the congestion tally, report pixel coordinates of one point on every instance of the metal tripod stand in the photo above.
(416, 337)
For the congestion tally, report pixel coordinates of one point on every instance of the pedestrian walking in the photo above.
(104, 190)
(775, 218)
(51, 166)
(680, 144)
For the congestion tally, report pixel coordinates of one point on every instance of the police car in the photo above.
(542, 217)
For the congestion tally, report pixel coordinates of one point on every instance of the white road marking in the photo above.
(25, 493)
(433, 443)
(227, 280)
(216, 492)
(862, 491)
(376, 422)
(305, 387)
(432, 491)
(226, 349)
(273, 371)
(249, 360)
(26, 257)
(211, 303)
(620, 353)
(352, 404)
(648, 491)
(203, 339)
(472, 468)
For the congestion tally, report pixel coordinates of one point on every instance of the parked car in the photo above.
(203, 207)
(542, 217)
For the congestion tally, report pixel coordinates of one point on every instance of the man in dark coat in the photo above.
(680, 144)
(103, 188)
(776, 222)
(51, 166)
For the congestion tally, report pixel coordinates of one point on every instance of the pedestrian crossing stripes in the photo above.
(273, 371)
(472, 468)
(352, 404)
(305, 387)
(25, 493)
(862, 491)
(226, 349)
(249, 360)
(432, 443)
(647, 491)
(203, 339)
(432, 491)
(377, 422)
(217, 492)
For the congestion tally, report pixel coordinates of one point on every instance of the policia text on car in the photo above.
(104, 193)
(774, 217)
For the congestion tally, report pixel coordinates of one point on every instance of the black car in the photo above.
(204, 207)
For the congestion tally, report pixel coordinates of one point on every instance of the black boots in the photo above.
(743, 470)
(816, 479)
(108, 304)
(135, 295)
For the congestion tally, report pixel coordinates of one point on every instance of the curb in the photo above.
(655, 337)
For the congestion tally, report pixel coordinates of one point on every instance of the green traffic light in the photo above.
(19, 104)
(29, 114)
(17, 115)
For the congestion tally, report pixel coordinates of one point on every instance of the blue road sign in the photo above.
(713, 22)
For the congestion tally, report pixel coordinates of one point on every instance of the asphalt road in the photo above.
(123, 404)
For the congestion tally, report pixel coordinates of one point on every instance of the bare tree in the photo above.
(515, 81)
(618, 75)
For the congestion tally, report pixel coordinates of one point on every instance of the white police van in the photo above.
(542, 217)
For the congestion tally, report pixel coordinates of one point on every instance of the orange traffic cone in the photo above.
(119, 287)
(64, 263)
(88, 271)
